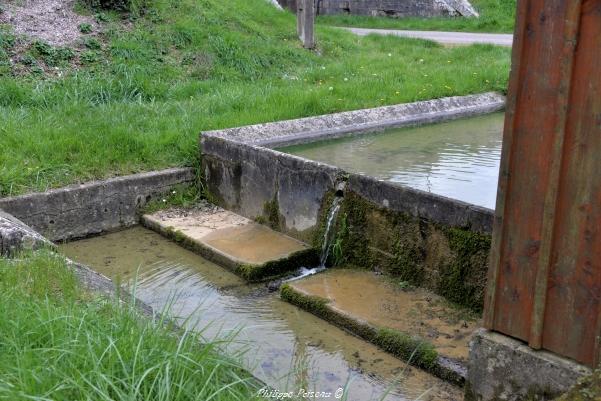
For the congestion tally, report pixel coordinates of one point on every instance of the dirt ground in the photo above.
(52, 21)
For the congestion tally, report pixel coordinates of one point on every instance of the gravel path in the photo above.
(52, 21)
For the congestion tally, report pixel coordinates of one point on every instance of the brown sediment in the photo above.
(282, 338)
(252, 250)
(375, 300)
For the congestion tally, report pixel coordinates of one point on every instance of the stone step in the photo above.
(254, 251)
(395, 318)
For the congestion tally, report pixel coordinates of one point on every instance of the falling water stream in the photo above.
(326, 243)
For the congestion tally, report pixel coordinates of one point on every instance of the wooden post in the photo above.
(544, 282)
(305, 23)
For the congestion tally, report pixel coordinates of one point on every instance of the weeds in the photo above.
(54, 346)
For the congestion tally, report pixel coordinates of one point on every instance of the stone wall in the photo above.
(93, 208)
(428, 240)
(391, 8)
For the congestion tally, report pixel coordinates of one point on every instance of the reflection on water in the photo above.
(284, 346)
(458, 159)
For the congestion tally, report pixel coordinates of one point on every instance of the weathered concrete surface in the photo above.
(406, 346)
(383, 303)
(16, 236)
(310, 129)
(231, 240)
(435, 242)
(391, 8)
(504, 369)
(82, 210)
(445, 38)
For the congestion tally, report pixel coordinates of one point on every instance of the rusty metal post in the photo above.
(545, 274)
(305, 23)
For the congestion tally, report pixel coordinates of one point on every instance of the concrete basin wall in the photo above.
(425, 239)
(96, 207)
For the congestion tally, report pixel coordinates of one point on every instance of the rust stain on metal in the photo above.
(545, 276)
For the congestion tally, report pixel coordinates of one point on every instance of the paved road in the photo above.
(446, 38)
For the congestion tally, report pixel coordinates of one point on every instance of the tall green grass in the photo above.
(58, 342)
(192, 65)
(496, 16)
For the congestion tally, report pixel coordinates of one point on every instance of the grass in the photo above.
(138, 102)
(58, 342)
(496, 16)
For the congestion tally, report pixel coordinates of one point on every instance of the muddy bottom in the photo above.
(287, 348)
(382, 303)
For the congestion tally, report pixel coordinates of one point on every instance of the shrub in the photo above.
(85, 28)
(117, 5)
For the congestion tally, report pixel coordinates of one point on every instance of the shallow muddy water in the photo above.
(458, 159)
(287, 348)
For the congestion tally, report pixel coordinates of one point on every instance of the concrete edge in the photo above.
(443, 367)
(388, 195)
(78, 211)
(16, 236)
(310, 129)
(252, 273)
(502, 368)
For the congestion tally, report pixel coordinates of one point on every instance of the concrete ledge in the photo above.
(415, 351)
(253, 251)
(16, 236)
(78, 211)
(504, 369)
(303, 130)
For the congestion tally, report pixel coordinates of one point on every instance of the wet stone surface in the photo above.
(375, 299)
(239, 238)
(284, 346)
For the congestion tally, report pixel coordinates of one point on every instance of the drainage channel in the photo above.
(280, 344)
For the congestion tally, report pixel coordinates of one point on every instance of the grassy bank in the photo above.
(58, 342)
(137, 98)
(496, 16)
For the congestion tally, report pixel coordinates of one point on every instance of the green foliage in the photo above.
(495, 16)
(92, 43)
(117, 5)
(61, 343)
(181, 196)
(187, 66)
(85, 28)
(52, 56)
(89, 57)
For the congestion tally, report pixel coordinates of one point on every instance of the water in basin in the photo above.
(457, 159)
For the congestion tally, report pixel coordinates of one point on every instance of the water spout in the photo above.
(332, 214)
(327, 239)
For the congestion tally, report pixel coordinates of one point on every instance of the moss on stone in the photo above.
(354, 244)
(587, 389)
(415, 351)
(452, 262)
(271, 214)
(463, 277)
(277, 268)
